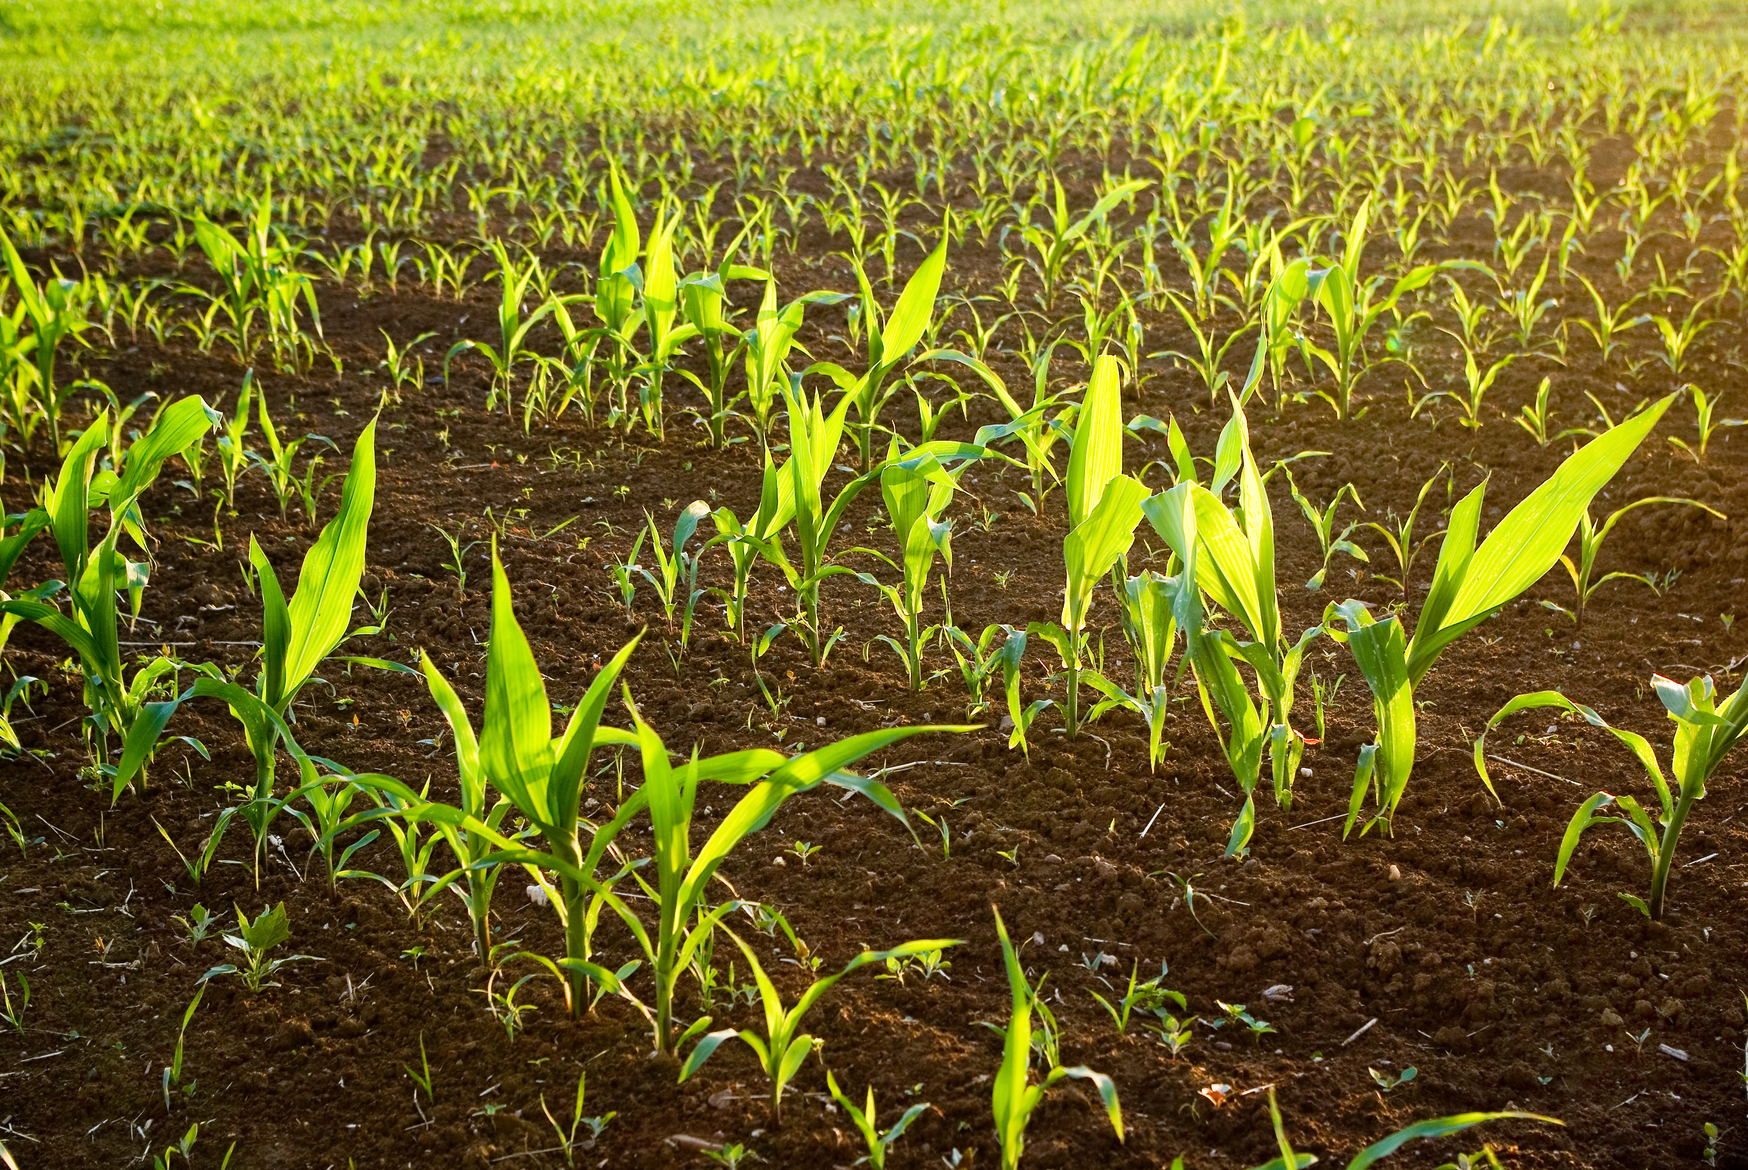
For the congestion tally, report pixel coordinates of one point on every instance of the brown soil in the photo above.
(1443, 948)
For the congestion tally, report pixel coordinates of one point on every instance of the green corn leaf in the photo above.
(516, 734)
(1528, 542)
(173, 431)
(275, 627)
(910, 316)
(1096, 456)
(1093, 546)
(571, 764)
(1435, 1128)
(1581, 820)
(321, 609)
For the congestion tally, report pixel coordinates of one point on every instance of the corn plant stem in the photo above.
(913, 631)
(576, 938)
(1071, 712)
(479, 910)
(1666, 851)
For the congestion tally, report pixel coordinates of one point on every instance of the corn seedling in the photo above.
(253, 941)
(1477, 383)
(173, 1070)
(1353, 308)
(277, 465)
(782, 1047)
(118, 706)
(1104, 506)
(1323, 525)
(1064, 236)
(421, 1076)
(1706, 730)
(888, 344)
(233, 452)
(917, 492)
(1678, 339)
(297, 637)
(768, 345)
(1469, 586)
(1704, 408)
(513, 324)
(1609, 323)
(672, 562)
(1590, 538)
(1230, 559)
(12, 1010)
(682, 877)
(1398, 535)
(567, 1137)
(258, 275)
(1534, 417)
(1009, 658)
(1037, 429)
(1149, 996)
(1151, 629)
(879, 1142)
(475, 877)
(1436, 1127)
(56, 311)
(1015, 1097)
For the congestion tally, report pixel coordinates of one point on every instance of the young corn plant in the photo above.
(1036, 427)
(543, 777)
(277, 464)
(1469, 586)
(747, 542)
(879, 1143)
(56, 311)
(683, 878)
(794, 493)
(117, 705)
(1063, 237)
(259, 275)
(1476, 385)
(615, 300)
(782, 1047)
(327, 797)
(1230, 559)
(1014, 1097)
(475, 877)
(768, 345)
(1398, 534)
(513, 324)
(1104, 506)
(888, 344)
(703, 296)
(1706, 729)
(1704, 408)
(660, 307)
(1151, 630)
(253, 941)
(1590, 538)
(917, 492)
(1434, 1127)
(296, 637)
(1353, 308)
(540, 777)
(673, 563)
(1323, 525)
